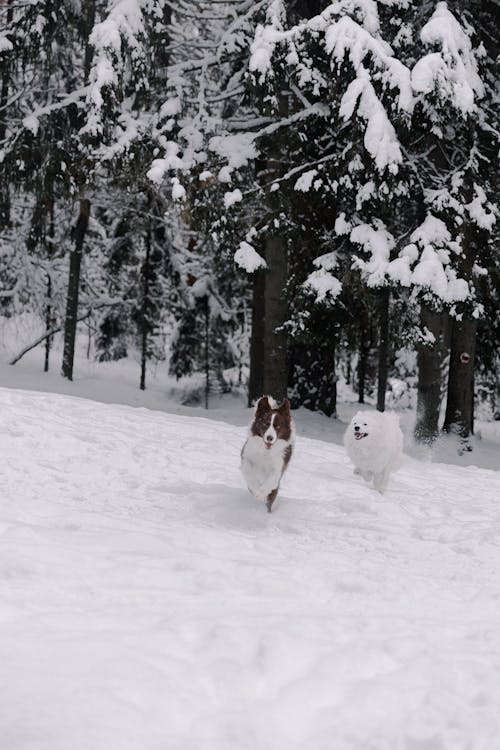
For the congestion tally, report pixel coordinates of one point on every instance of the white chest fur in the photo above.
(262, 467)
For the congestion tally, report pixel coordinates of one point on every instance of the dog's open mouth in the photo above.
(359, 435)
(268, 445)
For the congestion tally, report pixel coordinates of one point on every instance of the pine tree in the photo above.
(454, 96)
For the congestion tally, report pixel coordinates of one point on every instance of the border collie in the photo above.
(374, 443)
(268, 449)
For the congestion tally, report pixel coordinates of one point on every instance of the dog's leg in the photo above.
(270, 499)
(380, 481)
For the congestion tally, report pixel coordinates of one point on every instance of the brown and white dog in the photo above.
(268, 449)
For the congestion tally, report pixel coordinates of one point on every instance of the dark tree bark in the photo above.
(206, 312)
(48, 323)
(275, 373)
(256, 377)
(304, 9)
(327, 396)
(275, 376)
(88, 21)
(75, 263)
(364, 350)
(383, 347)
(460, 398)
(49, 250)
(430, 376)
(80, 231)
(272, 351)
(144, 311)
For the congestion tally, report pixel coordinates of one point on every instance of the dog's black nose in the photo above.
(356, 428)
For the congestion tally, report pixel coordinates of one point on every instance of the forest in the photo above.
(273, 195)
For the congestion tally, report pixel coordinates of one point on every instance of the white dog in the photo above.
(374, 443)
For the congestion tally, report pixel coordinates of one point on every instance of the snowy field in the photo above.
(148, 603)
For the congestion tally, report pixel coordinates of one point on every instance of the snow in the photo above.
(323, 284)
(453, 70)
(31, 123)
(248, 258)
(378, 242)
(205, 176)
(303, 184)
(170, 107)
(477, 210)
(266, 38)
(5, 43)
(147, 601)
(342, 226)
(328, 261)
(232, 197)
(262, 50)
(237, 149)
(171, 161)
(431, 231)
(346, 37)
(380, 138)
(343, 37)
(432, 269)
(178, 190)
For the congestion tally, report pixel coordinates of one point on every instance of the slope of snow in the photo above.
(147, 601)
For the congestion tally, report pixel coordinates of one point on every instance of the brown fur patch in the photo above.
(264, 414)
(287, 456)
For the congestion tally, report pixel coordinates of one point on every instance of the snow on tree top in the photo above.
(453, 71)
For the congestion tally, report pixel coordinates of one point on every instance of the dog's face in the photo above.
(360, 426)
(272, 422)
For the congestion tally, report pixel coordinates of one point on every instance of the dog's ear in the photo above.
(284, 408)
(262, 405)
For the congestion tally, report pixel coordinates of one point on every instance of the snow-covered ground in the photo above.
(148, 603)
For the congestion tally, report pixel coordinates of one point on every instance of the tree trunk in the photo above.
(207, 350)
(383, 348)
(364, 349)
(49, 251)
(144, 311)
(75, 262)
(460, 398)
(275, 373)
(327, 396)
(256, 377)
(429, 388)
(268, 350)
(48, 323)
